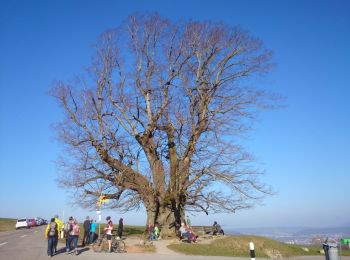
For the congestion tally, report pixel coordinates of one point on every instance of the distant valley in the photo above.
(295, 235)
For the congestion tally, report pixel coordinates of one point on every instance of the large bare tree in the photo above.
(156, 121)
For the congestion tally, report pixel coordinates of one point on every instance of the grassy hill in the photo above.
(239, 246)
(7, 224)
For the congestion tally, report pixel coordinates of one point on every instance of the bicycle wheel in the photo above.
(98, 246)
(121, 247)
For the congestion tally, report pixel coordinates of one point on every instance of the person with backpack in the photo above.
(51, 232)
(66, 229)
(59, 230)
(86, 238)
(108, 231)
(73, 236)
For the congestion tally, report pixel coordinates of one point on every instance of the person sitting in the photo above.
(192, 237)
(183, 231)
(217, 230)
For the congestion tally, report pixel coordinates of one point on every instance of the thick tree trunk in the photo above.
(168, 218)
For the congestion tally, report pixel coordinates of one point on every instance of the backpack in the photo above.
(53, 229)
(67, 228)
(75, 230)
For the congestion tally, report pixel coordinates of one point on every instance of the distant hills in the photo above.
(290, 232)
(331, 231)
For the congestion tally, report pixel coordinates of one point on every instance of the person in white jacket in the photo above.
(108, 231)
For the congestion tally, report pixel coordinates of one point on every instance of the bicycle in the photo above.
(118, 245)
(101, 244)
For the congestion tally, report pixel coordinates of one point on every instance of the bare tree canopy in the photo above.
(156, 121)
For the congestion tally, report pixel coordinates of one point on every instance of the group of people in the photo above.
(71, 230)
(154, 232)
(186, 232)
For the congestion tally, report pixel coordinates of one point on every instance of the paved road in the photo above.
(30, 244)
(22, 244)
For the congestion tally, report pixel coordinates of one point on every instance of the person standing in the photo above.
(108, 231)
(92, 231)
(86, 237)
(51, 234)
(120, 228)
(59, 230)
(67, 229)
(156, 230)
(151, 237)
(188, 221)
(73, 236)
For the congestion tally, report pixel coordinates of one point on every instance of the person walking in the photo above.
(73, 236)
(86, 238)
(51, 235)
(92, 231)
(108, 231)
(120, 228)
(67, 229)
(59, 230)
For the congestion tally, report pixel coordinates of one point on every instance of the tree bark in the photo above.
(169, 217)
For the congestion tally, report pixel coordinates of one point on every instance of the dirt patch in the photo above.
(140, 249)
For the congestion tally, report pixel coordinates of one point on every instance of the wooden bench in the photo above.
(198, 230)
(202, 230)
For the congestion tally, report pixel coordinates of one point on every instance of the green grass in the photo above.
(7, 224)
(133, 230)
(239, 246)
(127, 229)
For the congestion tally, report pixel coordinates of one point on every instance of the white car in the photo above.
(22, 223)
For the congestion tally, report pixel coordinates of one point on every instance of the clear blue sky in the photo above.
(303, 148)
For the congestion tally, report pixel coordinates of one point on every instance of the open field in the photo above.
(7, 224)
(238, 246)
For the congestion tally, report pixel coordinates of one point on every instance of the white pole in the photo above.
(252, 251)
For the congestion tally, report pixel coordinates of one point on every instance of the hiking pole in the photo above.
(252, 251)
